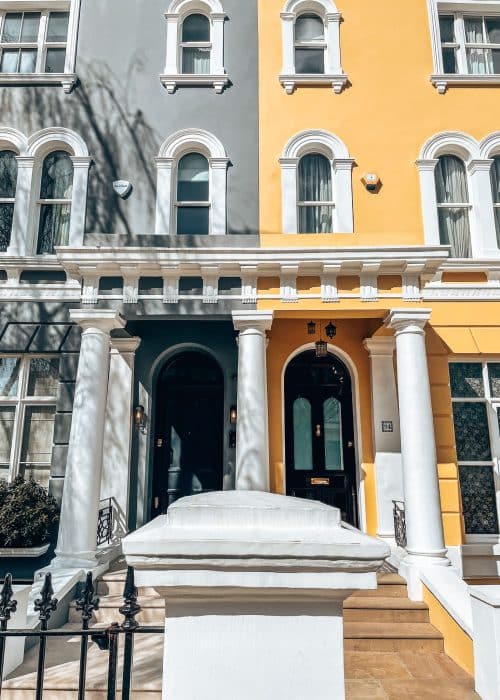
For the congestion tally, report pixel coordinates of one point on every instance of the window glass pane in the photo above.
(29, 31)
(54, 61)
(471, 432)
(7, 418)
(54, 227)
(454, 230)
(57, 176)
(36, 449)
(315, 219)
(10, 60)
(315, 178)
(27, 61)
(196, 61)
(450, 61)
(192, 178)
(57, 29)
(8, 174)
(43, 376)
(495, 53)
(196, 29)
(6, 218)
(12, 26)
(447, 28)
(309, 60)
(493, 29)
(309, 28)
(466, 380)
(494, 373)
(302, 435)
(479, 61)
(478, 500)
(192, 221)
(451, 181)
(332, 422)
(9, 376)
(495, 179)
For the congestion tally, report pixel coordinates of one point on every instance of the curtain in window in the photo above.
(196, 59)
(315, 185)
(479, 61)
(8, 180)
(451, 188)
(309, 44)
(56, 191)
(495, 187)
(193, 195)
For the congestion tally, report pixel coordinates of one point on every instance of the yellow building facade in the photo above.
(388, 104)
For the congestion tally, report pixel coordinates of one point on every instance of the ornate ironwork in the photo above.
(105, 522)
(7, 604)
(399, 523)
(46, 604)
(130, 608)
(87, 601)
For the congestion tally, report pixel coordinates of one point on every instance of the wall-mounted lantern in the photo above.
(311, 328)
(233, 415)
(140, 418)
(331, 330)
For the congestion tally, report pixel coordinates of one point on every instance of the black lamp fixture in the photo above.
(331, 330)
(140, 418)
(311, 328)
(321, 345)
(233, 415)
(321, 348)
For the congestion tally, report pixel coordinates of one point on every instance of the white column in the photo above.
(343, 212)
(424, 527)
(252, 438)
(81, 167)
(386, 435)
(217, 58)
(76, 544)
(172, 35)
(426, 169)
(287, 29)
(118, 430)
(333, 62)
(289, 194)
(164, 171)
(218, 169)
(20, 238)
(483, 229)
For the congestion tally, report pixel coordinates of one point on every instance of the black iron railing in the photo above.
(107, 640)
(399, 523)
(105, 522)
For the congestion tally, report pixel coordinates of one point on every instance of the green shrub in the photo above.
(27, 513)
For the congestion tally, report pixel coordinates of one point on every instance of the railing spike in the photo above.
(46, 604)
(7, 604)
(130, 608)
(87, 602)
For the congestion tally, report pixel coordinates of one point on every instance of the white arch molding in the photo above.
(333, 148)
(171, 151)
(351, 368)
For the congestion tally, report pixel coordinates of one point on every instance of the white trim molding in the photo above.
(68, 78)
(329, 145)
(171, 151)
(458, 8)
(172, 76)
(477, 157)
(333, 74)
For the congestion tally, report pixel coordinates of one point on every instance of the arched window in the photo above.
(195, 45)
(56, 190)
(453, 205)
(495, 188)
(193, 195)
(310, 44)
(8, 180)
(315, 201)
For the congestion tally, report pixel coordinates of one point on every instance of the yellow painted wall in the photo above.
(384, 117)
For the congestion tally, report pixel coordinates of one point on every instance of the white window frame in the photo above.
(458, 8)
(333, 76)
(172, 150)
(68, 78)
(172, 76)
(329, 145)
(492, 405)
(21, 402)
(477, 159)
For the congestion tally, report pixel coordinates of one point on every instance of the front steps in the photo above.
(391, 650)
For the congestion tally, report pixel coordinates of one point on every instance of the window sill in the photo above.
(66, 80)
(337, 81)
(443, 81)
(172, 82)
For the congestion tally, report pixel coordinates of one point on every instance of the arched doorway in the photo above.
(319, 432)
(189, 424)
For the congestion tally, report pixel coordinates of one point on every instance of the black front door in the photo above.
(319, 432)
(188, 429)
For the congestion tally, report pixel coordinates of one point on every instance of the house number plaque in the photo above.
(387, 426)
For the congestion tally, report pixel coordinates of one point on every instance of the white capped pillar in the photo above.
(76, 544)
(252, 438)
(386, 435)
(424, 527)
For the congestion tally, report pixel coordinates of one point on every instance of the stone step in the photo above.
(116, 586)
(384, 590)
(419, 637)
(152, 610)
(378, 609)
(58, 694)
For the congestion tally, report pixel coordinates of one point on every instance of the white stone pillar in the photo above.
(218, 170)
(343, 213)
(289, 194)
(172, 48)
(333, 62)
(424, 527)
(217, 58)
(76, 544)
(252, 438)
(81, 165)
(386, 435)
(482, 224)
(164, 172)
(20, 238)
(287, 37)
(118, 431)
(426, 169)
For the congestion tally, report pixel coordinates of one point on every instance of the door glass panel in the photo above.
(478, 500)
(494, 372)
(36, 450)
(332, 419)
(9, 376)
(43, 377)
(466, 380)
(7, 417)
(302, 435)
(471, 432)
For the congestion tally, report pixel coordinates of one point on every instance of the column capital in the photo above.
(125, 345)
(105, 320)
(407, 320)
(258, 320)
(380, 345)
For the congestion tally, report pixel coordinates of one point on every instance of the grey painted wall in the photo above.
(124, 113)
